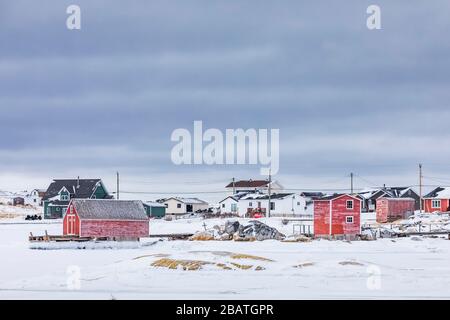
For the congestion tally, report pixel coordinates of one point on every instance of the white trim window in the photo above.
(349, 219)
(349, 204)
(436, 204)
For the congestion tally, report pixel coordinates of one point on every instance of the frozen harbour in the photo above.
(403, 268)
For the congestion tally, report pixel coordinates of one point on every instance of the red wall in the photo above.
(114, 228)
(445, 204)
(392, 209)
(339, 214)
(66, 222)
(321, 217)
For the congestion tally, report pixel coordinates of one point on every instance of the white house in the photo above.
(281, 205)
(180, 206)
(229, 205)
(34, 198)
(245, 186)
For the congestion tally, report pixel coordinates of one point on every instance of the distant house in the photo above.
(60, 192)
(371, 196)
(34, 198)
(253, 186)
(281, 205)
(111, 219)
(229, 205)
(155, 209)
(337, 215)
(181, 206)
(7, 197)
(18, 201)
(438, 200)
(391, 209)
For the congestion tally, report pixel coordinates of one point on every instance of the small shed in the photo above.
(337, 215)
(229, 205)
(111, 219)
(438, 200)
(155, 209)
(18, 201)
(391, 209)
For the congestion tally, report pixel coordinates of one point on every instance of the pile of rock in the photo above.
(233, 230)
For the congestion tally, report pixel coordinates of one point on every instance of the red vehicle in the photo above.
(256, 213)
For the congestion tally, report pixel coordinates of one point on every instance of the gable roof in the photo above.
(109, 209)
(85, 189)
(338, 195)
(392, 192)
(439, 193)
(229, 197)
(249, 184)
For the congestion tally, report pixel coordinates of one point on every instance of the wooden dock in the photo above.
(173, 236)
(61, 238)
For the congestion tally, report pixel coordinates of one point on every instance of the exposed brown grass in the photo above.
(8, 215)
(350, 263)
(248, 256)
(305, 264)
(241, 266)
(184, 264)
(194, 265)
(202, 236)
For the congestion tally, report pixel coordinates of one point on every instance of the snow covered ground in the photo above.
(17, 213)
(387, 268)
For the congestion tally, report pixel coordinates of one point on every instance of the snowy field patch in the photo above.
(382, 269)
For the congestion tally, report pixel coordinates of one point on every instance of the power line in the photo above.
(366, 180)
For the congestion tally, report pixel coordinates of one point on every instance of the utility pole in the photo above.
(420, 187)
(234, 187)
(117, 191)
(351, 182)
(270, 192)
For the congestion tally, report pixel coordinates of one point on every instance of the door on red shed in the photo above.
(71, 221)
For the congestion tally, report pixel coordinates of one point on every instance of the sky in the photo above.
(106, 98)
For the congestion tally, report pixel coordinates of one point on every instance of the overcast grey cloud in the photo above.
(107, 97)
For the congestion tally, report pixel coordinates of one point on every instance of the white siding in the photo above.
(293, 205)
(226, 206)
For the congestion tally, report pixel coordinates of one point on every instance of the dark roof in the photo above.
(312, 194)
(331, 197)
(435, 192)
(393, 192)
(85, 189)
(59, 203)
(110, 209)
(248, 184)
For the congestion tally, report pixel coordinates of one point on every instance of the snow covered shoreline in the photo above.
(400, 268)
